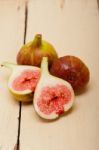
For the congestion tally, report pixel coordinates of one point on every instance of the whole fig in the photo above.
(71, 69)
(32, 52)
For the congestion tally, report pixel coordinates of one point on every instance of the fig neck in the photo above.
(37, 41)
(44, 66)
(8, 65)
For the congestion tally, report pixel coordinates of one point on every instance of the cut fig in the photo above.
(22, 81)
(53, 96)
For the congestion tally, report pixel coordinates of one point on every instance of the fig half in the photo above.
(53, 96)
(22, 81)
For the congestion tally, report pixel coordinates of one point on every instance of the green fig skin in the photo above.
(22, 98)
(32, 52)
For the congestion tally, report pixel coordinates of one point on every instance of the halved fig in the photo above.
(22, 81)
(53, 96)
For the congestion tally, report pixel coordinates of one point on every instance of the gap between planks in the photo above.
(17, 147)
(98, 4)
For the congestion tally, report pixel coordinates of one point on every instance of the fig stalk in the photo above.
(37, 41)
(8, 65)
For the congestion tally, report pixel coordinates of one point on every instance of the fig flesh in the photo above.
(71, 69)
(53, 96)
(22, 81)
(32, 52)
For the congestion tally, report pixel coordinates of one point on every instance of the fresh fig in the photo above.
(71, 69)
(32, 52)
(53, 96)
(22, 81)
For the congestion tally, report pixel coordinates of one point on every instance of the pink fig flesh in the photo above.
(27, 80)
(53, 99)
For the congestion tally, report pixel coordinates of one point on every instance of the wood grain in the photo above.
(11, 38)
(73, 29)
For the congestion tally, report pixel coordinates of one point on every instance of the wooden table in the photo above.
(73, 28)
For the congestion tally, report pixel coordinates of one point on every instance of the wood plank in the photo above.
(11, 38)
(73, 29)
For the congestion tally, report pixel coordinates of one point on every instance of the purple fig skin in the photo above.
(71, 69)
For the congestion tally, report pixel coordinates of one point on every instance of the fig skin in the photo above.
(71, 69)
(32, 52)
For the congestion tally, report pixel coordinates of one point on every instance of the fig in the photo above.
(53, 96)
(22, 81)
(71, 69)
(32, 52)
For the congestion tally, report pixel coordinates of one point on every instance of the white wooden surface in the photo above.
(73, 28)
(11, 38)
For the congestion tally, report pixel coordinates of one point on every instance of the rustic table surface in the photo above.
(73, 28)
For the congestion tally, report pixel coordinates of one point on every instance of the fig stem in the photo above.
(8, 65)
(44, 66)
(37, 40)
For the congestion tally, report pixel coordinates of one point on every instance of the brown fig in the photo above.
(32, 52)
(71, 69)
